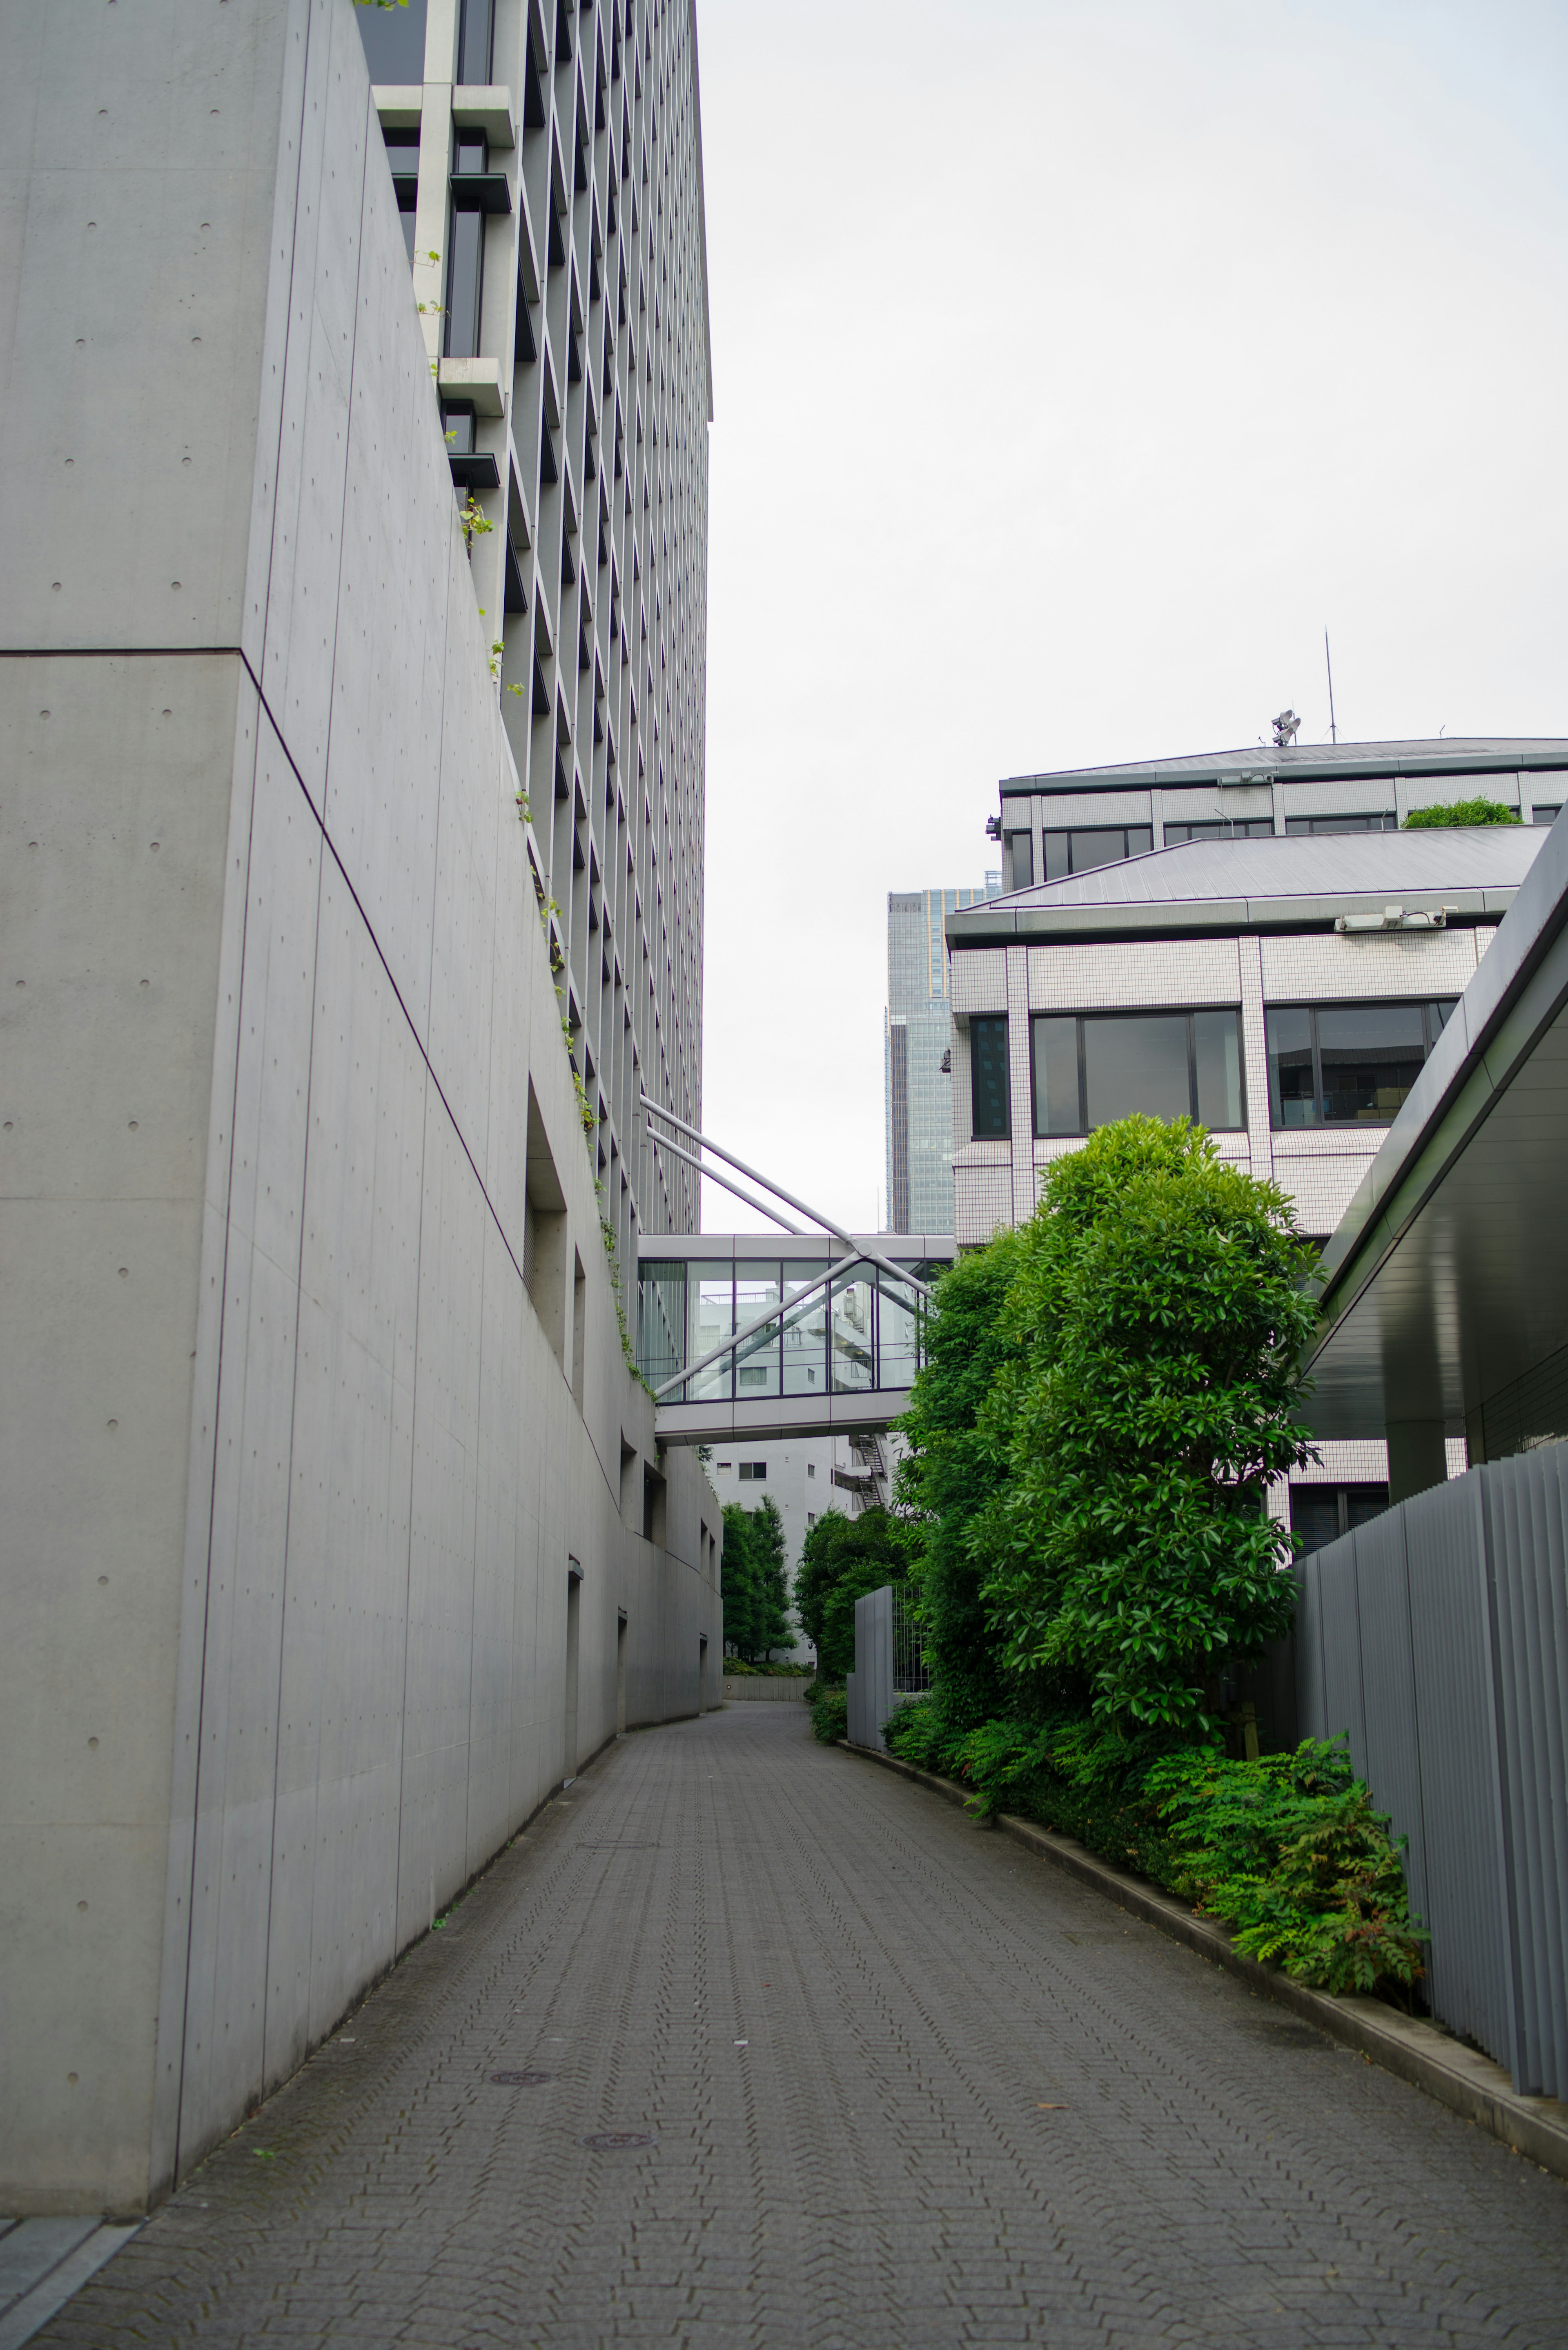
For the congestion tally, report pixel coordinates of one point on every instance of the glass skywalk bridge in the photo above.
(736, 1340)
(741, 1335)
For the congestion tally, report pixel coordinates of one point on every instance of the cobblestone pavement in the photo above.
(905, 2087)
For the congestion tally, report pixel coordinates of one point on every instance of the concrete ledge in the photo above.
(1461, 2078)
(478, 380)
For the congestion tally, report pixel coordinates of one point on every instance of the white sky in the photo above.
(1073, 365)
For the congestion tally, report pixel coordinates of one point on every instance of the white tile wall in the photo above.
(980, 980)
(1334, 968)
(1322, 1187)
(1019, 1078)
(982, 1202)
(1113, 977)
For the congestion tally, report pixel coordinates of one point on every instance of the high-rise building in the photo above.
(917, 1033)
(548, 165)
(352, 898)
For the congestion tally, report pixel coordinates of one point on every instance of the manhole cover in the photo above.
(521, 2080)
(607, 2141)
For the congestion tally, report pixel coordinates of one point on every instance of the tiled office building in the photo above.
(1282, 986)
(917, 1034)
(548, 166)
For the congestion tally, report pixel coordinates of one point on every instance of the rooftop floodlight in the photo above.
(1287, 726)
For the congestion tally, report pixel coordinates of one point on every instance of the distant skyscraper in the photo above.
(919, 1031)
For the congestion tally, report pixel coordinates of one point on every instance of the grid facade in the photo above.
(548, 163)
(917, 1036)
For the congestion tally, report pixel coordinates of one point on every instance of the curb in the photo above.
(1461, 2078)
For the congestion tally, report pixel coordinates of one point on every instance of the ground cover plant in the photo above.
(1091, 1440)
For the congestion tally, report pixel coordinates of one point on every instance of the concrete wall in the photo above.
(297, 1467)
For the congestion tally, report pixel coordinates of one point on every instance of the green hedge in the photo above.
(829, 1714)
(1287, 1850)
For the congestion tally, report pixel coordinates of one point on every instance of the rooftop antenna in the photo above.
(1333, 729)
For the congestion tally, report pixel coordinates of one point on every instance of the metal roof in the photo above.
(1314, 763)
(1281, 882)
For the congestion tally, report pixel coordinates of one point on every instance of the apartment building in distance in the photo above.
(917, 1035)
(354, 499)
(1255, 945)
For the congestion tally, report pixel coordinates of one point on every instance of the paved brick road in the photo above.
(908, 2086)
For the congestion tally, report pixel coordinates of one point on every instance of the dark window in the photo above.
(403, 160)
(1247, 827)
(753, 1472)
(1022, 851)
(470, 151)
(1546, 811)
(1090, 1069)
(1388, 822)
(1348, 1064)
(473, 40)
(988, 1077)
(464, 283)
(1321, 1513)
(394, 41)
(1089, 847)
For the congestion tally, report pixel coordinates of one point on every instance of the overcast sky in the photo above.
(1074, 366)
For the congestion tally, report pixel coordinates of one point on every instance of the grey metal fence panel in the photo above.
(1311, 1696)
(1341, 1637)
(1388, 1757)
(1462, 1859)
(869, 1688)
(1526, 1503)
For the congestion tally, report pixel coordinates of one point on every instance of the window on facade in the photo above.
(1084, 850)
(1321, 1513)
(1020, 850)
(476, 26)
(1247, 827)
(394, 43)
(403, 160)
(988, 1077)
(1546, 811)
(1091, 1068)
(1348, 1064)
(464, 283)
(754, 1472)
(1388, 822)
(811, 1468)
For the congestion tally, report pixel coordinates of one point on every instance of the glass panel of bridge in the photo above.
(756, 1359)
(661, 1321)
(853, 1361)
(804, 1333)
(896, 1359)
(710, 1297)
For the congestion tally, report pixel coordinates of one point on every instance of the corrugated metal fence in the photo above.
(888, 1664)
(1438, 1636)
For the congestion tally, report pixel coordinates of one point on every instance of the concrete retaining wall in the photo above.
(300, 1469)
(765, 1689)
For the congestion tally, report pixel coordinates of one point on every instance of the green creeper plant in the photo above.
(1457, 812)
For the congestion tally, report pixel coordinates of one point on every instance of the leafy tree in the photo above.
(952, 1470)
(1433, 819)
(841, 1559)
(1154, 1323)
(756, 1589)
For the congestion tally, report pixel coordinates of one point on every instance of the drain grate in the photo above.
(607, 2141)
(521, 2080)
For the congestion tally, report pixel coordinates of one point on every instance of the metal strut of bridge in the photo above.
(739, 1335)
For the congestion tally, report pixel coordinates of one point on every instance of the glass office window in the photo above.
(1136, 1061)
(710, 1307)
(1348, 1064)
(1321, 1513)
(1020, 852)
(1546, 811)
(852, 1357)
(1386, 822)
(394, 42)
(660, 1320)
(1247, 828)
(756, 1359)
(1091, 846)
(804, 1333)
(1217, 1067)
(988, 1076)
(1089, 1068)
(1058, 1090)
(464, 283)
(475, 34)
